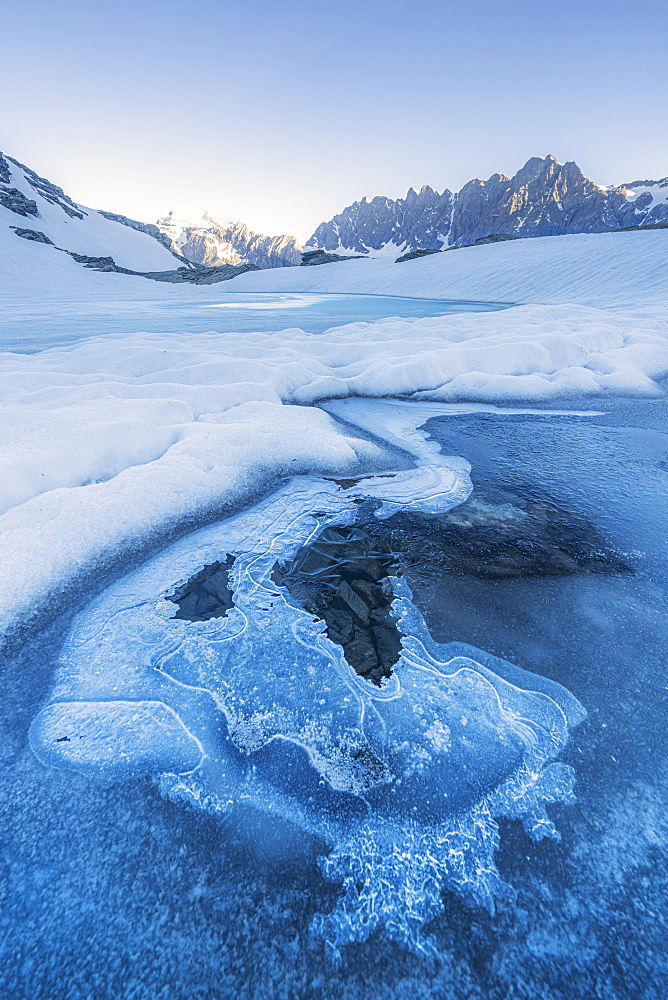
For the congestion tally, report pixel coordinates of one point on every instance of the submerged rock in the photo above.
(530, 537)
(343, 579)
(207, 594)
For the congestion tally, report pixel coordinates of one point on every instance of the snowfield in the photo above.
(601, 269)
(120, 439)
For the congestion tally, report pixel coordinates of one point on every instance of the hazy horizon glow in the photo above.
(278, 113)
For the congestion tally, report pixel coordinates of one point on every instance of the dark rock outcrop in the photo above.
(494, 238)
(16, 201)
(313, 257)
(190, 274)
(32, 234)
(199, 275)
(193, 275)
(50, 192)
(5, 173)
(414, 254)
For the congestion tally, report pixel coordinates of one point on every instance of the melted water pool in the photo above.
(27, 327)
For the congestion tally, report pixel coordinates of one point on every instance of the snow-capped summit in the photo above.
(212, 243)
(544, 198)
(649, 196)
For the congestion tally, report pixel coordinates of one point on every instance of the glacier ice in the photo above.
(257, 708)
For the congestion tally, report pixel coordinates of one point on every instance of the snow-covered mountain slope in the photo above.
(31, 205)
(544, 198)
(213, 243)
(595, 269)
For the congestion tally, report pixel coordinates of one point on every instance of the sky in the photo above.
(279, 113)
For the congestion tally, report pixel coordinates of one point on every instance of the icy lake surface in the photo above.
(29, 327)
(534, 588)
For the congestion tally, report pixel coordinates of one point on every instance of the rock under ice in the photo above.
(203, 670)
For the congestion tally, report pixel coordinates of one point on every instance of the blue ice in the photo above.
(404, 782)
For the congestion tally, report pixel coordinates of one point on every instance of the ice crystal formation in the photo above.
(222, 667)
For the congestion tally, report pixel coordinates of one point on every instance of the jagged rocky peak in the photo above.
(421, 220)
(544, 198)
(211, 243)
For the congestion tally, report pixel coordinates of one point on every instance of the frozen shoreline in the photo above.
(119, 438)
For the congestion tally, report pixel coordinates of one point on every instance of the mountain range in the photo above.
(544, 198)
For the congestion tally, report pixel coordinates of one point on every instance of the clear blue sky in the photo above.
(281, 112)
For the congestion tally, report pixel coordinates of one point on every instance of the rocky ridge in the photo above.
(144, 227)
(544, 198)
(16, 201)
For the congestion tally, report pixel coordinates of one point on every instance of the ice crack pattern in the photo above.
(404, 781)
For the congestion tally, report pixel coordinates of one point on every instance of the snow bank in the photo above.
(32, 271)
(115, 439)
(600, 269)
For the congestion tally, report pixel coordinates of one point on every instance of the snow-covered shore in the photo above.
(599, 269)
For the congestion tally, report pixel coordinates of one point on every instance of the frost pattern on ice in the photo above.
(259, 708)
(116, 737)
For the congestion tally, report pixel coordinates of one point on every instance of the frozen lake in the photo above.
(558, 563)
(28, 327)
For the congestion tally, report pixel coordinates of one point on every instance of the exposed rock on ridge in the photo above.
(11, 197)
(101, 241)
(50, 192)
(544, 198)
(211, 244)
(313, 257)
(144, 227)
